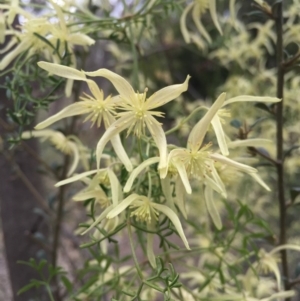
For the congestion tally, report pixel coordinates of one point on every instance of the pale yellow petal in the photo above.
(255, 142)
(114, 186)
(196, 14)
(259, 180)
(183, 28)
(183, 175)
(211, 207)
(175, 221)
(98, 219)
(159, 138)
(71, 110)
(122, 206)
(166, 189)
(138, 170)
(150, 238)
(251, 98)
(180, 197)
(199, 131)
(214, 16)
(117, 127)
(121, 85)
(77, 177)
(80, 39)
(166, 94)
(218, 129)
(75, 158)
(62, 71)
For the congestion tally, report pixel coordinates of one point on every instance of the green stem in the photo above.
(278, 16)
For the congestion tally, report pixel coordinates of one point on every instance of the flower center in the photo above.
(144, 212)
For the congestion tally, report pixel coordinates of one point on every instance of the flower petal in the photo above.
(242, 167)
(213, 13)
(98, 219)
(80, 39)
(71, 110)
(122, 206)
(121, 85)
(211, 207)
(166, 188)
(75, 159)
(259, 180)
(183, 175)
(174, 219)
(159, 138)
(63, 71)
(117, 127)
(150, 238)
(183, 28)
(138, 170)
(180, 197)
(217, 126)
(198, 132)
(196, 15)
(251, 98)
(115, 187)
(77, 177)
(166, 94)
(255, 142)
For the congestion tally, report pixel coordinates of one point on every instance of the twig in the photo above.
(278, 17)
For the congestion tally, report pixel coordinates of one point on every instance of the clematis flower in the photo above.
(147, 211)
(217, 120)
(198, 8)
(95, 106)
(61, 142)
(138, 113)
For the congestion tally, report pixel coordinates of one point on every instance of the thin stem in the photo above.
(133, 251)
(278, 16)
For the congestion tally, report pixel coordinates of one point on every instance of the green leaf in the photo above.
(67, 283)
(26, 288)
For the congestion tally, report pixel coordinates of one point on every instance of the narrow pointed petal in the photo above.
(183, 175)
(150, 238)
(10, 56)
(122, 206)
(183, 28)
(120, 152)
(98, 220)
(138, 170)
(175, 220)
(114, 186)
(81, 39)
(180, 196)
(251, 98)
(211, 207)
(196, 15)
(83, 196)
(237, 165)
(259, 180)
(166, 94)
(9, 45)
(217, 179)
(71, 110)
(217, 126)
(285, 247)
(255, 142)
(280, 295)
(77, 177)
(62, 71)
(199, 130)
(210, 182)
(117, 127)
(214, 16)
(232, 12)
(121, 85)
(166, 188)
(75, 159)
(160, 140)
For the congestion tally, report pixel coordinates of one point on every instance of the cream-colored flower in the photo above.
(95, 106)
(138, 114)
(61, 142)
(198, 8)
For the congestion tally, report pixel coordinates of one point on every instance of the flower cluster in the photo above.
(135, 112)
